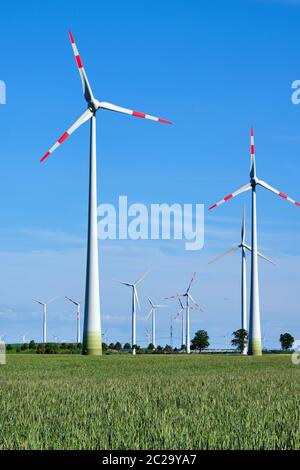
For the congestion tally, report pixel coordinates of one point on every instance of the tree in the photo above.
(104, 347)
(111, 346)
(51, 348)
(138, 349)
(127, 346)
(286, 340)
(150, 347)
(240, 339)
(118, 346)
(167, 349)
(32, 344)
(200, 340)
(41, 349)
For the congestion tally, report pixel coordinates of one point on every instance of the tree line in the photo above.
(199, 343)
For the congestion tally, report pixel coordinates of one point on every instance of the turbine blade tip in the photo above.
(44, 157)
(252, 131)
(164, 121)
(71, 37)
(212, 207)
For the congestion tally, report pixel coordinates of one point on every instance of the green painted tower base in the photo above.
(92, 344)
(255, 348)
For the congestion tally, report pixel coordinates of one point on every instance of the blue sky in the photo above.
(214, 70)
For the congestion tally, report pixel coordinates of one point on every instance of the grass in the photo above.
(149, 402)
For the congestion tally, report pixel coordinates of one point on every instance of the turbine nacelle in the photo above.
(253, 180)
(94, 105)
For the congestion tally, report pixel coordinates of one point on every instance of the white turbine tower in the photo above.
(243, 247)
(254, 344)
(44, 304)
(187, 307)
(92, 326)
(152, 312)
(135, 302)
(77, 317)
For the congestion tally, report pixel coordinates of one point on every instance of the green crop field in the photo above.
(149, 402)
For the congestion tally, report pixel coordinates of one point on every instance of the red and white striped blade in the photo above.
(230, 196)
(87, 91)
(119, 109)
(279, 193)
(83, 118)
(196, 305)
(252, 154)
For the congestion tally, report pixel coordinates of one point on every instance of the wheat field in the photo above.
(149, 402)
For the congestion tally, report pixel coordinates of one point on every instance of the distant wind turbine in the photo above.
(152, 312)
(77, 317)
(254, 344)
(135, 303)
(44, 304)
(188, 297)
(243, 246)
(92, 325)
(181, 312)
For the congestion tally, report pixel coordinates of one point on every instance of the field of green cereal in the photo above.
(149, 402)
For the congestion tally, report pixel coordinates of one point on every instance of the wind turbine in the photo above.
(44, 304)
(188, 297)
(77, 316)
(135, 301)
(181, 312)
(92, 326)
(254, 342)
(243, 247)
(152, 312)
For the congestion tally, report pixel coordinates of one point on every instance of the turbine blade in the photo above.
(87, 91)
(161, 306)
(73, 301)
(124, 283)
(150, 301)
(136, 298)
(252, 154)
(181, 304)
(195, 303)
(228, 252)
(150, 311)
(51, 300)
(243, 231)
(265, 258)
(83, 118)
(230, 196)
(139, 280)
(119, 109)
(38, 301)
(192, 280)
(260, 255)
(273, 190)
